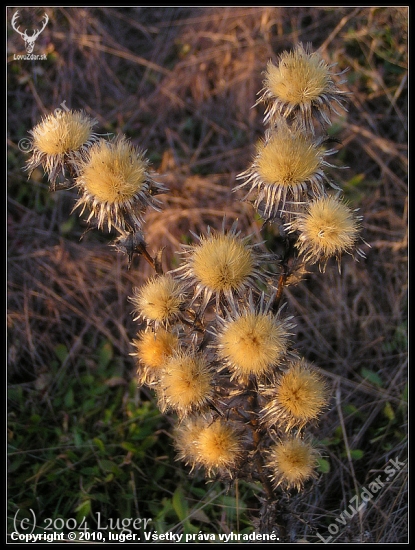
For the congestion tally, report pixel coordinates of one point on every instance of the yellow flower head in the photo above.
(60, 141)
(219, 447)
(292, 462)
(221, 264)
(299, 397)
(253, 341)
(288, 165)
(186, 383)
(159, 300)
(301, 85)
(186, 435)
(116, 185)
(152, 350)
(327, 228)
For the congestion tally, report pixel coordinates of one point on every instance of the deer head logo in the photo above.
(29, 40)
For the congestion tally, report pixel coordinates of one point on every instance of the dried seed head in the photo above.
(159, 300)
(221, 265)
(299, 397)
(152, 350)
(253, 341)
(186, 383)
(292, 462)
(186, 435)
(327, 228)
(116, 185)
(60, 141)
(219, 447)
(301, 85)
(288, 166)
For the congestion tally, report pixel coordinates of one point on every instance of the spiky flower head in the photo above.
(301, 85)
(60, 141)
(222, 264)
(116, 185)
(299, 397)
(152, 350)
(219, 447)
(327, 228)
(252, 340)
(292, 461)
(185, 436)
(288, 165)
(159, 300)
(186, 384)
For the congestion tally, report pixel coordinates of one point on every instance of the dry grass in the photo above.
(181, 83)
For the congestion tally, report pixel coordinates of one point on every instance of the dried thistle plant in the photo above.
(60, 142)
(116, 185)
(217, 346)
(301, 87)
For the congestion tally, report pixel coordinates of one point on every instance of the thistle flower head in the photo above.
(301, 84)
(116, 185)
(186, 384)
(185, 438)
(327, 228)
(299, 397)
(251, 341)
(292, 462)
(59, 140)
(218, 447)
(221, 264)
(288, 165)
(152, 350)
(159, 300)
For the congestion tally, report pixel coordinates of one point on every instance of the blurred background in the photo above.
(181, 82)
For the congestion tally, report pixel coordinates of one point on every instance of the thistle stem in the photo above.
(270, 517)
(286, 261)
